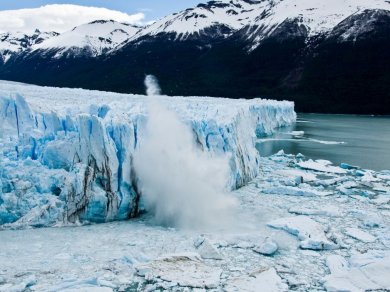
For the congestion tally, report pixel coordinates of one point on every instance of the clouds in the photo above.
(60, 17)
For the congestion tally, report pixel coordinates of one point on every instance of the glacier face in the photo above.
(67, 154)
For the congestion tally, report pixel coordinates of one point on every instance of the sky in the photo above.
(61, 18)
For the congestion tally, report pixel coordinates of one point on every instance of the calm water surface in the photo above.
(358, 140)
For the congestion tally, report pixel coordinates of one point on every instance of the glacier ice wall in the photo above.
(67, 154)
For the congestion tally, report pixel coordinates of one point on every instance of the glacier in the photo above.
(67, 154)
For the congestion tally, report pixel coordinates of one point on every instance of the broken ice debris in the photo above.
(360, 235)
(267, 280)
(206, 250)
(362, 272)
(185, 269)
(269, 247)
(309, 232)
(295, 191)
(328, 211)
(322, 166)
(348, 166)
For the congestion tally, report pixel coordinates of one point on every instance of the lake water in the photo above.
(358, 140)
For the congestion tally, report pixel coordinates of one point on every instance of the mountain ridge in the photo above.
(284, 49)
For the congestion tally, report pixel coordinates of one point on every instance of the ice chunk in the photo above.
(21, 286)
(307, 176)
(361, 272)
(381, 200)
(267, 280)
(347, 185)
(295, 191)
(297, 133)
(268, 247)
(322, 166)
(186, 269)
(360, 235)
(369, 177)
(369, 219)
(87, 285)
(372, 220)
(309, 232)
(381, 188)
(329, 211)
(206, 249)
(348, 166)
(360, 172)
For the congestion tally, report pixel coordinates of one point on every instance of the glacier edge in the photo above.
(67, 154)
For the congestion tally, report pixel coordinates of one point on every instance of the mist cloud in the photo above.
(181, 184)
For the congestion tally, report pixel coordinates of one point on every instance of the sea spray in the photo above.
(152, 86)
(181, 184)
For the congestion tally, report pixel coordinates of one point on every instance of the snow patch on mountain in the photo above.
(362, 24)
(11, 43)
(96, 38)
(317, 15)
(233, 14)
(259, 19)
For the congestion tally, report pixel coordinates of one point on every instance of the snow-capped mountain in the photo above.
(314, 16)
(259, 19)
(12, 43)
(315, 52)
(95, 38)
(255, 20)
(365, 23)
(91, 39)
(200, 20)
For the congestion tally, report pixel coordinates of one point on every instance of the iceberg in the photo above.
(67, 155)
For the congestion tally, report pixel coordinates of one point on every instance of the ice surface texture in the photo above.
(67, 154)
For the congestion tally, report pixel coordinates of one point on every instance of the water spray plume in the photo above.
(182, 185)
(152, 86)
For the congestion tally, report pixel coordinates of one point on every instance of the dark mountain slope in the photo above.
(343, 70)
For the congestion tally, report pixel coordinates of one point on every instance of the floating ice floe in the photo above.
(296, 133)
(322, 166)
(300, 138)
(348, 166)
(295, 191)
(326, 142)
